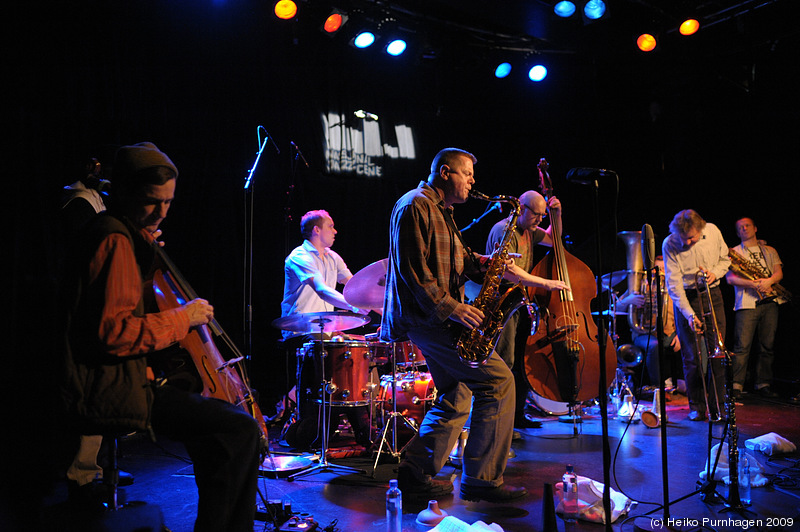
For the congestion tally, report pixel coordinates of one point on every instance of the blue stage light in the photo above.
(564, 9)
(396, 47)
(594, 9)
(537, 73)
(502, 70)
(364, 39)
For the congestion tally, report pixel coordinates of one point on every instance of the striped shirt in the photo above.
(428, 264)
(115, 277)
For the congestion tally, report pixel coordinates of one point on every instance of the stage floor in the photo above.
(354, 502)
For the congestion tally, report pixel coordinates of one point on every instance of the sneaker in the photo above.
(494, 494)
(411, 486)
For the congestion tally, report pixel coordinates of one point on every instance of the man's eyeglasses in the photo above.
(541, 215)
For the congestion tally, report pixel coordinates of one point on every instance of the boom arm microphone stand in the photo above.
(248, 259)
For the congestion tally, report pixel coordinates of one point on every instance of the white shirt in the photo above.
(303, 264)
(681, 263)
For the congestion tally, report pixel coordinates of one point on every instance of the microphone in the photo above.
(298, 153)
(648, 247)
(588, 176)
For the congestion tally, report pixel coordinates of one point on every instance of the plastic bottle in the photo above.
(569, 485)
(394, 508)
(744, 478)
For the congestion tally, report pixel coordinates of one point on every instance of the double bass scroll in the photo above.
(222, 379)
(562, 358)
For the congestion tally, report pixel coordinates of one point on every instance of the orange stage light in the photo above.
(689, 27)
(285, 9)
(646, 42)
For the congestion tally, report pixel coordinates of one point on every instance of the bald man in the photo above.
(511, 344)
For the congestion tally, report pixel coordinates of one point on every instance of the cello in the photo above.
(562, 358)
(222, 379)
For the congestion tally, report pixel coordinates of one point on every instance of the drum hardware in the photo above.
(324, 322)
(390, 420)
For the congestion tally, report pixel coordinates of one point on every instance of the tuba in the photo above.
(640, 319)
(475, 346)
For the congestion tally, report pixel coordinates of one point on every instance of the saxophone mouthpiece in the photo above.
(479, 195)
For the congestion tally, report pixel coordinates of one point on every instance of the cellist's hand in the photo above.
(200, 312)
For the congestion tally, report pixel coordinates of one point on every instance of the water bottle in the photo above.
(394, 508)
(744, 478)
(569, 487)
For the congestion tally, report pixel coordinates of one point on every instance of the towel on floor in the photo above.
(590, 501)
(770, 444)
(757, 478)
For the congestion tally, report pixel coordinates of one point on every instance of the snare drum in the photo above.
(346, 365)
(415, 393)
(406, 354)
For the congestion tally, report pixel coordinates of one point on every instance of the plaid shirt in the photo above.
(428, 265)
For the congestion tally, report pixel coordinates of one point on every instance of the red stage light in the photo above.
(333, 23)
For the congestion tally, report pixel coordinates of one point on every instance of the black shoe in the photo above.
(737, 393)
(696, 415)
(413, 487)
(795, 399)
(524, 422)
(767, 393)
(125, 478)
(90, 497)
(496, 494)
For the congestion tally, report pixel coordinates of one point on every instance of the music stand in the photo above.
(324, 465)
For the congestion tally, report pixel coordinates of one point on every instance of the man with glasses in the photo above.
(512, 341)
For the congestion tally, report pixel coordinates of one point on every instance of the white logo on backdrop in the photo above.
(360, 150)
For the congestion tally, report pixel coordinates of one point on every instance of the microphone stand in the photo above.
(495, 205)
(248, 237)
(601, 342)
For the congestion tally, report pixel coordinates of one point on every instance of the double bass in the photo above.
(222, 379)
(562, 358)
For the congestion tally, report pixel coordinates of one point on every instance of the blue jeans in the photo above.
(488, 391)
(764, 319)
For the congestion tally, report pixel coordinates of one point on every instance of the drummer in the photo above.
(312, 272)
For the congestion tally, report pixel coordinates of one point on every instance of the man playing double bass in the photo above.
(511, 344)
(105, 386)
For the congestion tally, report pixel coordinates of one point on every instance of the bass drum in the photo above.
(548, 406)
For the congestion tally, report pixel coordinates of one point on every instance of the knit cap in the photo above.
(131, 159)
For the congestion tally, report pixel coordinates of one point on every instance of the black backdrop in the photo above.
(712, 126)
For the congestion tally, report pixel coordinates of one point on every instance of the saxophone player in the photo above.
(428, 265)
(692, 246)
(527, 234)
(755, 308)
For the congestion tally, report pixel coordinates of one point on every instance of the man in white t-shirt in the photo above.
(756, 308)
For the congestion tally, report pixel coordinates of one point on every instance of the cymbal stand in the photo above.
(391, 419)
(324, 465)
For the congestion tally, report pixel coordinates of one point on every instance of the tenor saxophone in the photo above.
(475, 346)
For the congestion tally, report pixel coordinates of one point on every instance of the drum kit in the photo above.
(344, 369)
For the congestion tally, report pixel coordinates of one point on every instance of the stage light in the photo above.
(285, 9)
(334, 22)
(594, 9)
(364, 39)
(564, 9)
(396, 47)
(689, 26)
(502, 70)
(537, 73)
(646, 42)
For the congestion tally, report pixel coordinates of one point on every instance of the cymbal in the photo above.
(314, 322)
(610, 280)
(366, 288)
